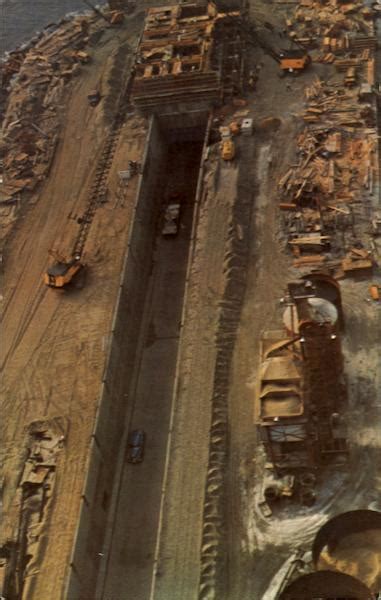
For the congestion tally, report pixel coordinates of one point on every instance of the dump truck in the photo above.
(227, 149)
(171, 219)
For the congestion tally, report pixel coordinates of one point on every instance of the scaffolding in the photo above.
(188, 53)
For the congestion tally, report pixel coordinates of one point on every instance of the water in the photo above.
(21, 19)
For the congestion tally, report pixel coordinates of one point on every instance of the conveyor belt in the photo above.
(98, 189)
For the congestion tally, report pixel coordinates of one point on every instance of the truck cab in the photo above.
(172, 217)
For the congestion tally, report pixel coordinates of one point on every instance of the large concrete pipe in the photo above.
(328, 288)
(326, 585)
(351, 543)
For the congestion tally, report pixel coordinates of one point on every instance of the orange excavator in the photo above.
(62, 271)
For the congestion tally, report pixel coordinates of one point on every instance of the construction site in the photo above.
(190, 240)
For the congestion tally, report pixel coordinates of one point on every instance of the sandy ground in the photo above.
(259, 546)
(54, 343)
(47, 332)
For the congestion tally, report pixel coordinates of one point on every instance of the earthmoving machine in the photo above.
(227, 149)
(291, 61)
(62, 271)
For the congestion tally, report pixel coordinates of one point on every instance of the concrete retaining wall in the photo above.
(118, 376)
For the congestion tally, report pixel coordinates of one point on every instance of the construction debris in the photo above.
(36, 80)
(334, 175)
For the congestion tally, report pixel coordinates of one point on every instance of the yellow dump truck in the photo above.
(227, 149)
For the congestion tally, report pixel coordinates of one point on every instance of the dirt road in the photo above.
(54, 342)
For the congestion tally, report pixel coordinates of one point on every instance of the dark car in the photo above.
(135, 446)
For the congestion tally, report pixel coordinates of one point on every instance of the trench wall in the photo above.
(118, 376)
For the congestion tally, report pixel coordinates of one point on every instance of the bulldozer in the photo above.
(62, 271)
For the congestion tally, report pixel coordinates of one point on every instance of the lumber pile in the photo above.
(357, 259)
(327, 192)
(338, 26)
(336, 166)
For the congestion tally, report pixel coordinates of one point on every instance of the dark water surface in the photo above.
(21, 19)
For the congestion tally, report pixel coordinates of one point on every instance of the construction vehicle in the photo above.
(227, 149)
(62, 271)
(291, 61)
(171, 219)
(94, 98)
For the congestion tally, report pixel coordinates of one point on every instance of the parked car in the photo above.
(94, 98)
(135, 446)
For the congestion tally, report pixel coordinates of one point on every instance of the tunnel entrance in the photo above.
(183, 136)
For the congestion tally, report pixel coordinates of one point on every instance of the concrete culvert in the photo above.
(211, 504)
(216, 476)
(219, 423)
(208, 570)
(214, 470)
(326, 585)
(351, 543)
(213, 488)
(217, 439)
(217, 461)
(207, 580)
(212, 513)
(216, 519)
(219, 412)
(217, 456)
(210, 528)
(219, 432)
(210, 551)
(207, 592)
(220, 395)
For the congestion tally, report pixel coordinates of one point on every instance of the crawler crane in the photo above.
(62, 272)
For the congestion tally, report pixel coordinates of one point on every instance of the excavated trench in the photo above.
(145, 339)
